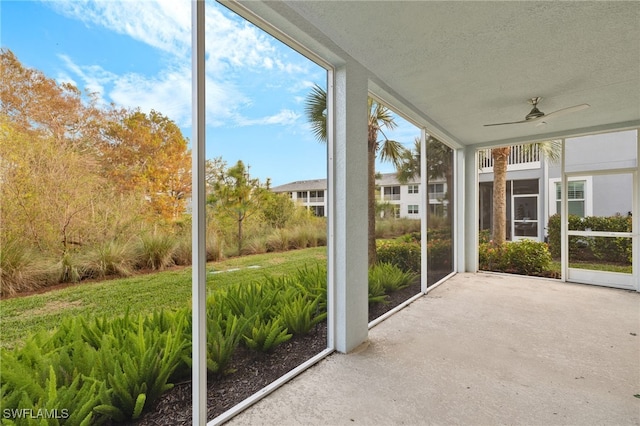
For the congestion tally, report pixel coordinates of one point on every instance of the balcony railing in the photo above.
(520, 158)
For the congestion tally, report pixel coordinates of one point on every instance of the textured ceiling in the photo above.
(463, 64)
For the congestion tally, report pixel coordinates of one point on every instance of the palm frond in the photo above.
(392, 151)
(316, 111)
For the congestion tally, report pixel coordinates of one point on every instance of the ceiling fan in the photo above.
(535, 115)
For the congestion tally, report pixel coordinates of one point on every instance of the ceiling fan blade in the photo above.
(565, 111)
(510, 122)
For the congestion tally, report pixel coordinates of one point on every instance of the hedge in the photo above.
(607, 249)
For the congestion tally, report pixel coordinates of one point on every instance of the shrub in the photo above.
(223, 336)
(314, 282)
(526, 257)
(389, 228)
(300, 312)
(264, 336)
(278, 240)
(406, 256)
(376, 292)
(155, 251)
(98, 370)
(608, 249)
(183, 250)
(439, 253)
(388, 277)
(110, 258)
(214, 244)
(70, 267)
(484, 236)
(20, 271)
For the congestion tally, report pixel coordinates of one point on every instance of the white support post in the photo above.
(424, 202)
(198, 274)
(468, 212)
(635, 219)
(347, 245)
(564, 222)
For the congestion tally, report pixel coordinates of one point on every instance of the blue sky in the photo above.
(138, 54)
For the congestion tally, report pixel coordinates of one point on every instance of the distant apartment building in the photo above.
(533, 188)
(394, 198)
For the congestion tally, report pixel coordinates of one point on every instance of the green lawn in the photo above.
(626, 269)
(21, 316)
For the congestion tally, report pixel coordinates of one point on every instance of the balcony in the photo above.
(391, 197)
(520, 158)
(479, 349)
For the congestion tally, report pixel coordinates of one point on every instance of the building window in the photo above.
(302, 195)
(437, 210)
(392, 192)
(413, 189)
(436, 191)
(318, 211)
(413, 209)
(316, 196)
(575, 197)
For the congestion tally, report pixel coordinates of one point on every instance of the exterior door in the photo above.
(601, 247)
(525, 217)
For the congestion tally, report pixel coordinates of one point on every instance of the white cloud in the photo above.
(163, 24)
(284, 117)
(234, 48)
(94, 78)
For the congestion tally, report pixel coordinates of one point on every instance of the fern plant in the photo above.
(264, 336)
(301, 313)
(138, 365)
(223, 337)
(376, 292)
(390, 277)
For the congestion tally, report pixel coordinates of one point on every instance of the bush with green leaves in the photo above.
(112, 369)
(404, 255)
(224, 334)
(607, 249)
(388, 277)
(300, 312)
(525, 257)
(263, 336)
(96, 371)
(439, 253)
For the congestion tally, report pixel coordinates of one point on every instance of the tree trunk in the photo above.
(500, 157)
(371, 191)
(240, 219)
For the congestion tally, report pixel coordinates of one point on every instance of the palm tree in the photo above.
(380, 118)
(439, 165)
(549, 149)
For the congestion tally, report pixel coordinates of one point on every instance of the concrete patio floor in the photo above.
(481, 349)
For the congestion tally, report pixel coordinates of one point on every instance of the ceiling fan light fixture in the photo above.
(534, 113)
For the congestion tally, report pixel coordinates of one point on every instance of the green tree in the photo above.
(238, 196)
(278, 209)
(439, 165)
(379, 118)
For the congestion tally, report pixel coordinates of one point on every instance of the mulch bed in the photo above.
(253, 371)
